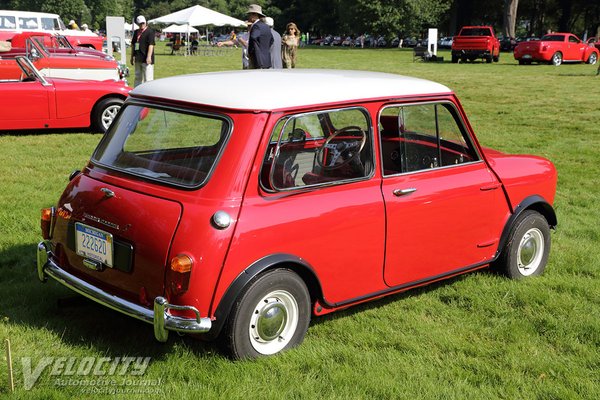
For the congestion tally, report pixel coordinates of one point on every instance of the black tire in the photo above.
(496, 58)
(592, 59)
(526, 251)
(271, 314)
(488, 59)
(556, 59)
(454, 59)
(105, 112)
(521, 62)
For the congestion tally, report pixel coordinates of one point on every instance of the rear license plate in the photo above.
(527, 56)
(94, 244)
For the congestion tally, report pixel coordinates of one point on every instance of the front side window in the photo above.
(168, 146)
(422, 136)
(50, 24)
(318, 148)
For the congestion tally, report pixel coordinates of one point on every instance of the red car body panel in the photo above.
(62, 104)
(571, 48)
(52, 43)
(357, 239)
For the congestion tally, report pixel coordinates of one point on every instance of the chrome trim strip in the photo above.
(159, 317)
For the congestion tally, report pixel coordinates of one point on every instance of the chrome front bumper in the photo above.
(159, 317)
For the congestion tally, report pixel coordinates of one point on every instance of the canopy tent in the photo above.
(198, 16)
(180, 29)
(130, 27)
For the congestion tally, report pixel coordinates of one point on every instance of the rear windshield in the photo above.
(164, 145)
(553, 38)
(475, 32)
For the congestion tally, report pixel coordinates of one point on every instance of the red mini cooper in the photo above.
(211, 210)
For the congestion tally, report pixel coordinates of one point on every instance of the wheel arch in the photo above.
(268, 263)
(99, 100)
(535, 203)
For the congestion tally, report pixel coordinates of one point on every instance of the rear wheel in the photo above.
(496, 58)
(592, 59)
(454, 59)
(521, 62)
(105, 112)
(557, 59)
(526, 251)
(271, 315)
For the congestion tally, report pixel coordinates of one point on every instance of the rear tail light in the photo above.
(178, 274)
(47, 222)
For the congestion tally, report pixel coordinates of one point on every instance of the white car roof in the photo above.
(282, 89)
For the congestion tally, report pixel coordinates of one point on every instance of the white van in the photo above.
(13, 22)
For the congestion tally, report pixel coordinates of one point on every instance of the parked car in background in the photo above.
(594, 41)
(409, 42)
(34, 102)
(60, 65)
(473, 42)
(556, 48)
(445, 42)
(56, 44)
(336, 41)
(507, 44)
(13, 22)
(348, 42)
(243, 216)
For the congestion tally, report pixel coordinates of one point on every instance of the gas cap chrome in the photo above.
(107, 192)
(221, 220)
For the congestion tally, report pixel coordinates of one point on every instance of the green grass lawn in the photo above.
(479, 336)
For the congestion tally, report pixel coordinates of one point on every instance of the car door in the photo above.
(24, 105)
(574, 49)
(444, 207)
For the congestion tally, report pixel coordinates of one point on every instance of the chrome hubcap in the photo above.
(109, 115)
(531, 251)
(273, 322)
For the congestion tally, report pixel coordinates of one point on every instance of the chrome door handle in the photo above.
(403, 192)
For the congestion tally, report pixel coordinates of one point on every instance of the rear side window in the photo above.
(320, 148)
(163, 145)
(50, 24)
(421, 137)
(28, 23)
(7, 22)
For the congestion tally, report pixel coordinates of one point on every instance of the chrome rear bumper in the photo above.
(159, 317)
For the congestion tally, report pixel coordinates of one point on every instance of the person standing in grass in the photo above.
(275, 49)
(142, 54)
(260, 39)
(290, 42)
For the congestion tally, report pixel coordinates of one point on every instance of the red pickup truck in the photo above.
(556, 48)
(475, 42)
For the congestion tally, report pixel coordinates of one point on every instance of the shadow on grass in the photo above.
(76, 320)
(80, 322)
(36, 132)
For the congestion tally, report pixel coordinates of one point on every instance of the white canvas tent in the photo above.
(180, 29)
(198, 16)
(130, 27)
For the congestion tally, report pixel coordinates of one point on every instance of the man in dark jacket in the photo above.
(260, 39)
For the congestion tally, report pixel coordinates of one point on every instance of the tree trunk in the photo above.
(510, 17)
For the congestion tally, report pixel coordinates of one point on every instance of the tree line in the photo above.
(352, 17)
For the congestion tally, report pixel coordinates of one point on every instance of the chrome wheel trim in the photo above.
(592, 59)
(273, 323)
(109, 114)
(556, 59)
(530, 252)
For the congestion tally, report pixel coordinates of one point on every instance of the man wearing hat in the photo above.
(260, 39)
(142, 54)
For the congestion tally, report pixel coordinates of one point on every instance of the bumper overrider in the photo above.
(159, 317)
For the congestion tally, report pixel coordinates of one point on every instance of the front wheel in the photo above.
(526, 251)
(271, 315)
(592, 59)
(105, 112)
(557, 59)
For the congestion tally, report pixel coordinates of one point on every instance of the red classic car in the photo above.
(594, 41)
(208, 213)
(14, 22)
(58, 64)
(556, 48)
(36, 102)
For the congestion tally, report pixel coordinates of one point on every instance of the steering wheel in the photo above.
(345, 151)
